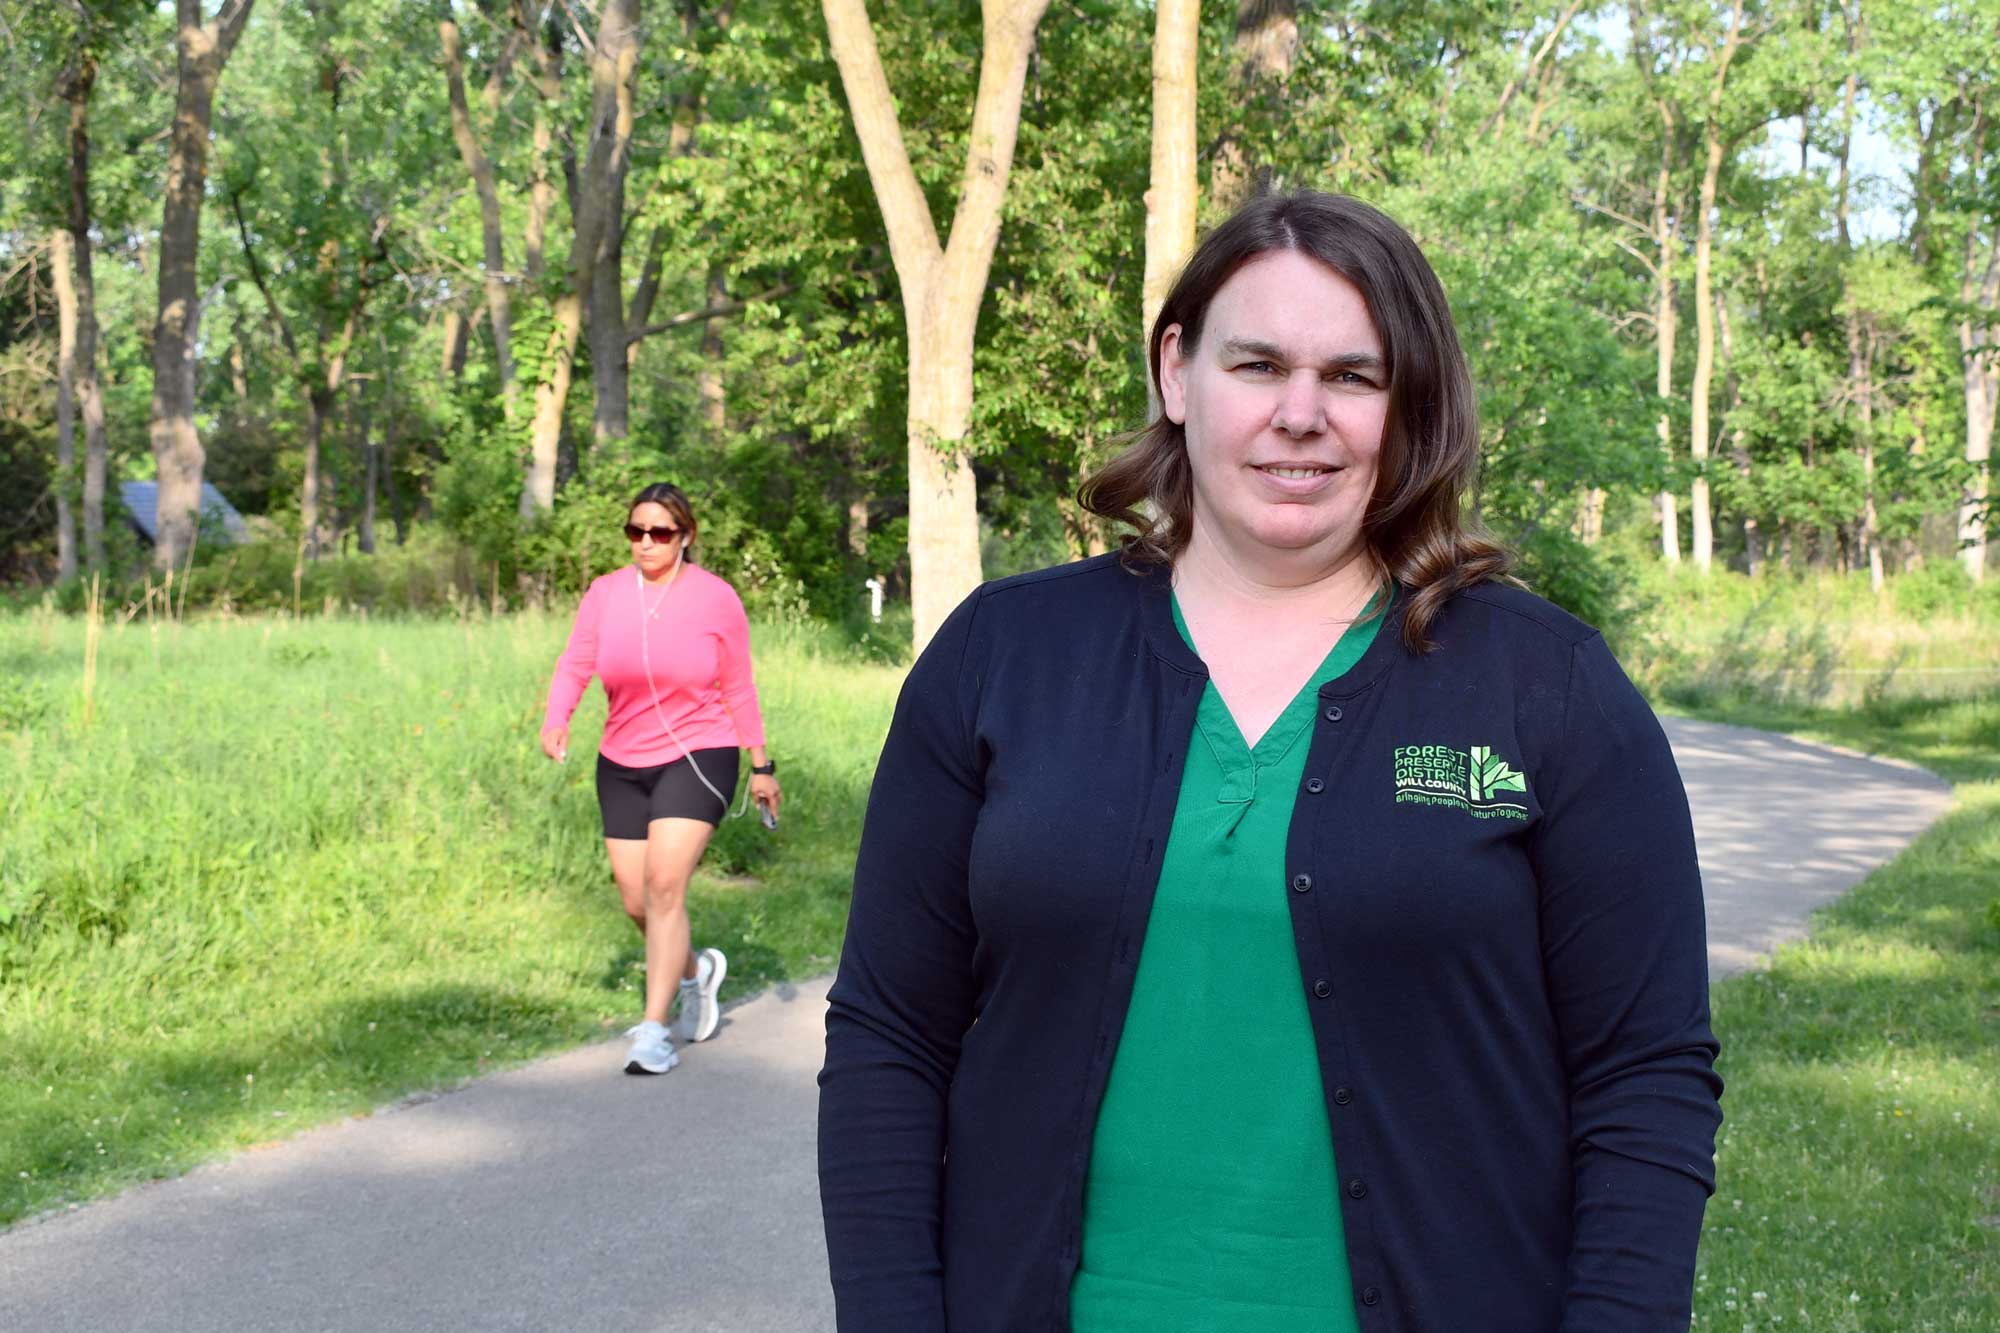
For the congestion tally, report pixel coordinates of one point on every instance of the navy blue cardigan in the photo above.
(1498, 917)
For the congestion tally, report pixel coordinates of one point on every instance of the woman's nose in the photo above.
(1300, 410)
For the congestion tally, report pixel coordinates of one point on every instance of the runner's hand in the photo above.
(555, 743)
(764, 791)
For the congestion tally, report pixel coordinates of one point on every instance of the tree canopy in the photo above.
(1726, 273)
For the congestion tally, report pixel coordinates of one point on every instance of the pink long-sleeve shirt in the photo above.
(698, 643)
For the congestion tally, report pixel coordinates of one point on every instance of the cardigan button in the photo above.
(1342, 1096)
(1300, 883)
(1322, 989)
(1333, 713)
(1356, 1190)
(1371, 1295)
(1315, 786)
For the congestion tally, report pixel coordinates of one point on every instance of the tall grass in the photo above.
(296, 868)
(1723, 638)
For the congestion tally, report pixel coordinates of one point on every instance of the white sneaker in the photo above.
(700, 1011)
(652, 1052)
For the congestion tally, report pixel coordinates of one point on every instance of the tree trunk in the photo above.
(1982, 393)
(1534, 71)
(1753, 545)
(1265, 50)
(942, 287)
(1860, 358)
(481, 170)
(65, 285)
(1703, 535)
(1664, 328)
(389, 451)
(616, 64)
(857, 527)
(538, 483)
(316, 408)
(1702, 538)
(1590, 517)
(371, 474)
(203, 51)
(538, 491)
(600, 187)
(547, 48)
(88, 389)
(610, 349)
(1170, 203)
(708, 380)
(457, 334)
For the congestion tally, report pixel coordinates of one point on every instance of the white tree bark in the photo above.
(1170, 203)
(60, 260)
(942, 286)
(1703, 535)
(1664, 327)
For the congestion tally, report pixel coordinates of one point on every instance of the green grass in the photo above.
(1859, 1185)
(1812, 639)
(294, 870)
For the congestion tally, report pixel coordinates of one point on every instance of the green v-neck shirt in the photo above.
(1211, 1200)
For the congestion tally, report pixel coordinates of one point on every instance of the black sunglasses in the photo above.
(633, 532)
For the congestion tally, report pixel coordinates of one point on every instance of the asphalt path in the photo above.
(564, 1195)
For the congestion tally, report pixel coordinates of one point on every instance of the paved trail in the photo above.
(566, 1196)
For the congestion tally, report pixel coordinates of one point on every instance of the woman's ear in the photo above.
(1173, 376)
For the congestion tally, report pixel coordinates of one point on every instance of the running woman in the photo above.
(672, 646)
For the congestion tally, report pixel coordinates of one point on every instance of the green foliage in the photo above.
(1939, 588)
(1531, 189)
(23, 703)
(1583, 580)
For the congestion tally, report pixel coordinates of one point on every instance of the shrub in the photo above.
(1936, 588)
(1580, 579)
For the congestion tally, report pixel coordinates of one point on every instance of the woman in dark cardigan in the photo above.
(1287, 922)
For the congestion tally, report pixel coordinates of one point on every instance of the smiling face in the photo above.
(655, 559)
(1283, 401)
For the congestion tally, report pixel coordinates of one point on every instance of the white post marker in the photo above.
(874, 587)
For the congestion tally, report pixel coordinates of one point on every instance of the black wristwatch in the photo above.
(768, 768)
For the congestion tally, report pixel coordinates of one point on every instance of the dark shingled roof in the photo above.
(219, 519)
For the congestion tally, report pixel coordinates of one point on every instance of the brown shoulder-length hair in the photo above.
(674, 500)
(1415, 525)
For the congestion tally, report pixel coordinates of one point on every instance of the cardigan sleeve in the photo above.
(1625, 954)
(902, 1002)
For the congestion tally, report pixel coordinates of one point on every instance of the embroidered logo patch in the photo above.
(1476, 780)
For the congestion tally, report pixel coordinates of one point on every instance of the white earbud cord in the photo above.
(653, 693)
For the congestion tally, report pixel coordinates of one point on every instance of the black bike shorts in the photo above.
(632, 798)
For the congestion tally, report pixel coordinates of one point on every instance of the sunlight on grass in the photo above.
(1856, 1160)
(294, 869)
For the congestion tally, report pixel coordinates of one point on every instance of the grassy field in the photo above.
(1812, 640)
(1859, 1177)
(288, 871)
